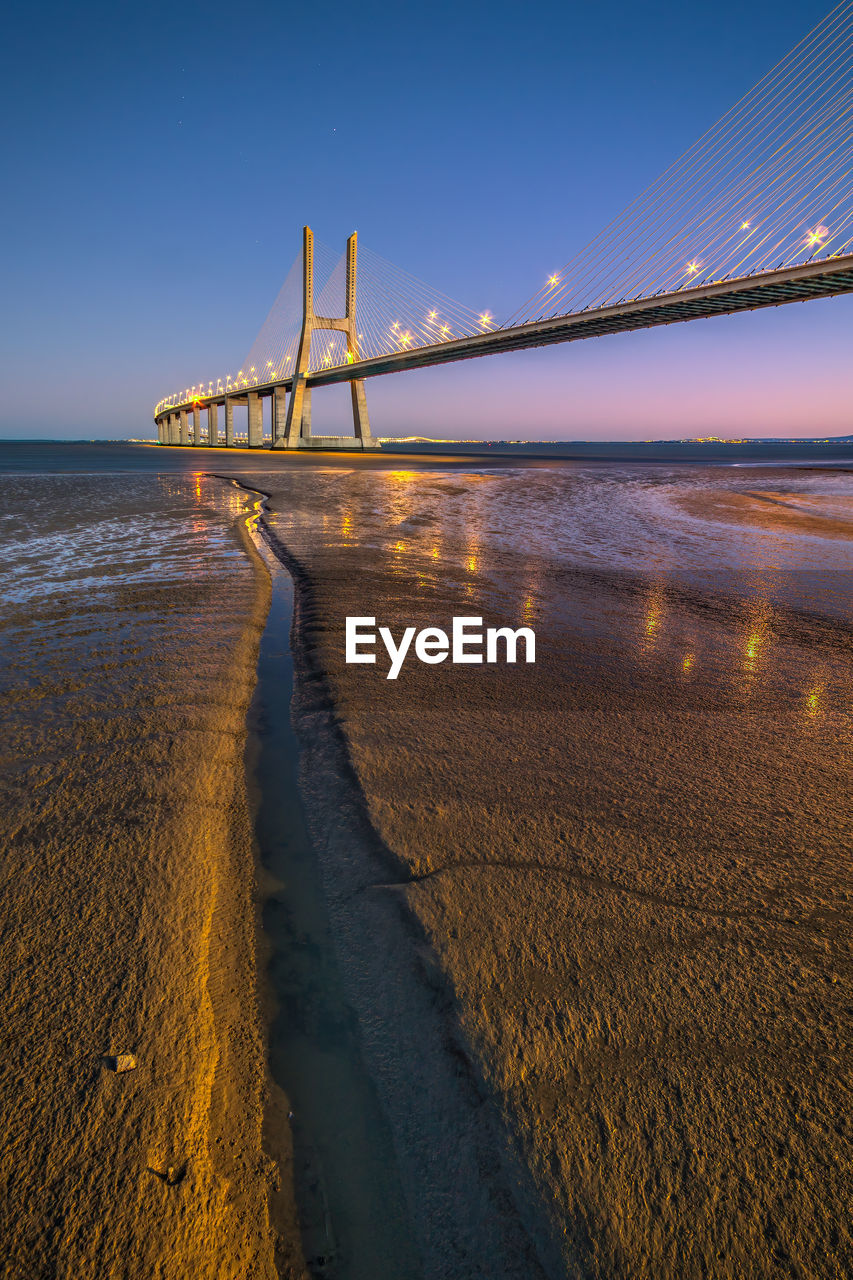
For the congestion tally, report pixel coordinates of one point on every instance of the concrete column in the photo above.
(185, 427)
(213, 425)
(229, 423)
(175, 429)
(300, 397)
(255, 421)
(279, 418)
(360, 420)
(196, 424)
(293, 429)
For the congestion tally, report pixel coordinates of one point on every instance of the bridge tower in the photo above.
(298, 423)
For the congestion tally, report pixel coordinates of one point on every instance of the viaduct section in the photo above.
(291, 397)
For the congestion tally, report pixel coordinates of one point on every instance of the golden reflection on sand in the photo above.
(771, 511)
(626, 858)
(751, 649)
(654, 616)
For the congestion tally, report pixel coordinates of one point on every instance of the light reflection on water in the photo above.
(668, 567)
(80, 535)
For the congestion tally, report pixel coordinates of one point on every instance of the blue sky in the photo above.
(160, 162)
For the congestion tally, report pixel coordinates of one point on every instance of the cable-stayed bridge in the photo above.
(759, 212)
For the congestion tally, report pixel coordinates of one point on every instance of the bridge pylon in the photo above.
(297, 429)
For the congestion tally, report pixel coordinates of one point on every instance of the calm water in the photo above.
(88, 535)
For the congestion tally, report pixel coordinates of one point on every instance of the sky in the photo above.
(160, 161)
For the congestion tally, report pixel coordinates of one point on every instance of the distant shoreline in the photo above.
(700, 451)
(837, 450)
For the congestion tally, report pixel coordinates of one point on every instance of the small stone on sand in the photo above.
(123, 1062)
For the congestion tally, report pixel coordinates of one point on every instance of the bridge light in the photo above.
(553, 280)
(432, 315)
(744, 226)
(817, 235)
(485, 319)
(693, 267)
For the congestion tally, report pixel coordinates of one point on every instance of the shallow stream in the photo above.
(351, 1208)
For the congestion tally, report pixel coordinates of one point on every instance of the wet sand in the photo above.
(127, 914)
(566, 969)
(595, 912)
(789, 512)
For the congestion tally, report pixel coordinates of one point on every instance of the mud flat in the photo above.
(129, 642)
(593, 914)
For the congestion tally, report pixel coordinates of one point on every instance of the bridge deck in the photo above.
(767, 289)
(772, 288)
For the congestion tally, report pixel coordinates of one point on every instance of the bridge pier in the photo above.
(298, 432)
(293, 424)
(279, 418)
(290, 415)
(360, 420)
(256, 421)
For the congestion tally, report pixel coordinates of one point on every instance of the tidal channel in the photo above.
(352, 1212)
